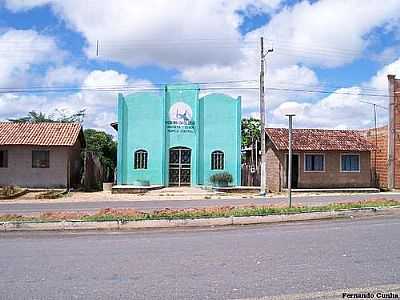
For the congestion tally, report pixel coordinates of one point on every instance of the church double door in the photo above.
(179, 166)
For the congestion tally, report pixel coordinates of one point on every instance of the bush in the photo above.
(53, 194)
(8, 191)
(221, 178)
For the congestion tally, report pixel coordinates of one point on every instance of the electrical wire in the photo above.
(144, 88)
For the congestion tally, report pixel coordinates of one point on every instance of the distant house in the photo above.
(45, 155)
(321, 159)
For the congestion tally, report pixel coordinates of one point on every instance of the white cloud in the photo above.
(380, 81)
(100, 106)
(248, 69)
(334, 111)
(175, 33)
(304, 35)
(316, 33)
(12, 105)
(22, 49)
(18, 5)
(387, 55)
(64, 75)
(157, 31)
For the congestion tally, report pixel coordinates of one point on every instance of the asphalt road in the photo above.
(34, 208)
(229, 263)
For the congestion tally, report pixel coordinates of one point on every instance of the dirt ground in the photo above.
(163, 194)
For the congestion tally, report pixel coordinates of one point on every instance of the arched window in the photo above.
(217, 160)
(140, 159)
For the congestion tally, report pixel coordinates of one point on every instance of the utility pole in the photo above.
(289, 183)
(391, 134)
(376, 144)
(262, 120)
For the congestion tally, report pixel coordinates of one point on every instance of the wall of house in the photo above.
(331, 177)
(379, 161)
(75, 164)
(382, 141)
(274, 169)
(20, 172)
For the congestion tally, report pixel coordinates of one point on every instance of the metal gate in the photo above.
(179, 166)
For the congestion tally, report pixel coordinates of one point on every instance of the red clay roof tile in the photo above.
(40, 134)
(319, 139)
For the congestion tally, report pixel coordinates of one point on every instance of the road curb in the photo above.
(204, 222)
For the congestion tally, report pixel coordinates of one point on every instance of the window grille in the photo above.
(217, 160)
(140, 159)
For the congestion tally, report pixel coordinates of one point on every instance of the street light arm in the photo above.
(268, 51)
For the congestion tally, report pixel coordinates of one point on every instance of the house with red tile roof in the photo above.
(40, 155)
(321, 159)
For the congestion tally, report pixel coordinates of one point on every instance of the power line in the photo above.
(132, 87)
(278, 86)
(322, 85)
(226, 41)
(215, 42)
(127, 85)
(153, 89)
(329, 92)
(374, 104)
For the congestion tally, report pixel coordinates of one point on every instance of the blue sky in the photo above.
(329, 45)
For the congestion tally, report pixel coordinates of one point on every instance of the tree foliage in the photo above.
(250, 131)
(59, 116)
(105, 148)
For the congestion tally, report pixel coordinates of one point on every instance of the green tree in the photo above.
(57, 116)
(105, 148)
(250, 131)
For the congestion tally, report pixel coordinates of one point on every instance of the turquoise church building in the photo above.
(176, 138)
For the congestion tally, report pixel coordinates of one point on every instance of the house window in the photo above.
(350, 163)
(3, 159)
(40, 159)
(314, 162)
(140, 159)
(217, 160)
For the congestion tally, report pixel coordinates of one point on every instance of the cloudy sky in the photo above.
(330, 56)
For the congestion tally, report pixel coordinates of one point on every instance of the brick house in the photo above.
(385, 160)
(321, 159)
(45, 155)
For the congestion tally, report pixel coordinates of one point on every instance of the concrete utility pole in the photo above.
(391, 134)
(376, 143)
(289, 183)
(262, 120)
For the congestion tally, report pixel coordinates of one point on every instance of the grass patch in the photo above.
(17, 218)
(196, 213)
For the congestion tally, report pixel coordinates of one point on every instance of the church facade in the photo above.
(176, 138)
